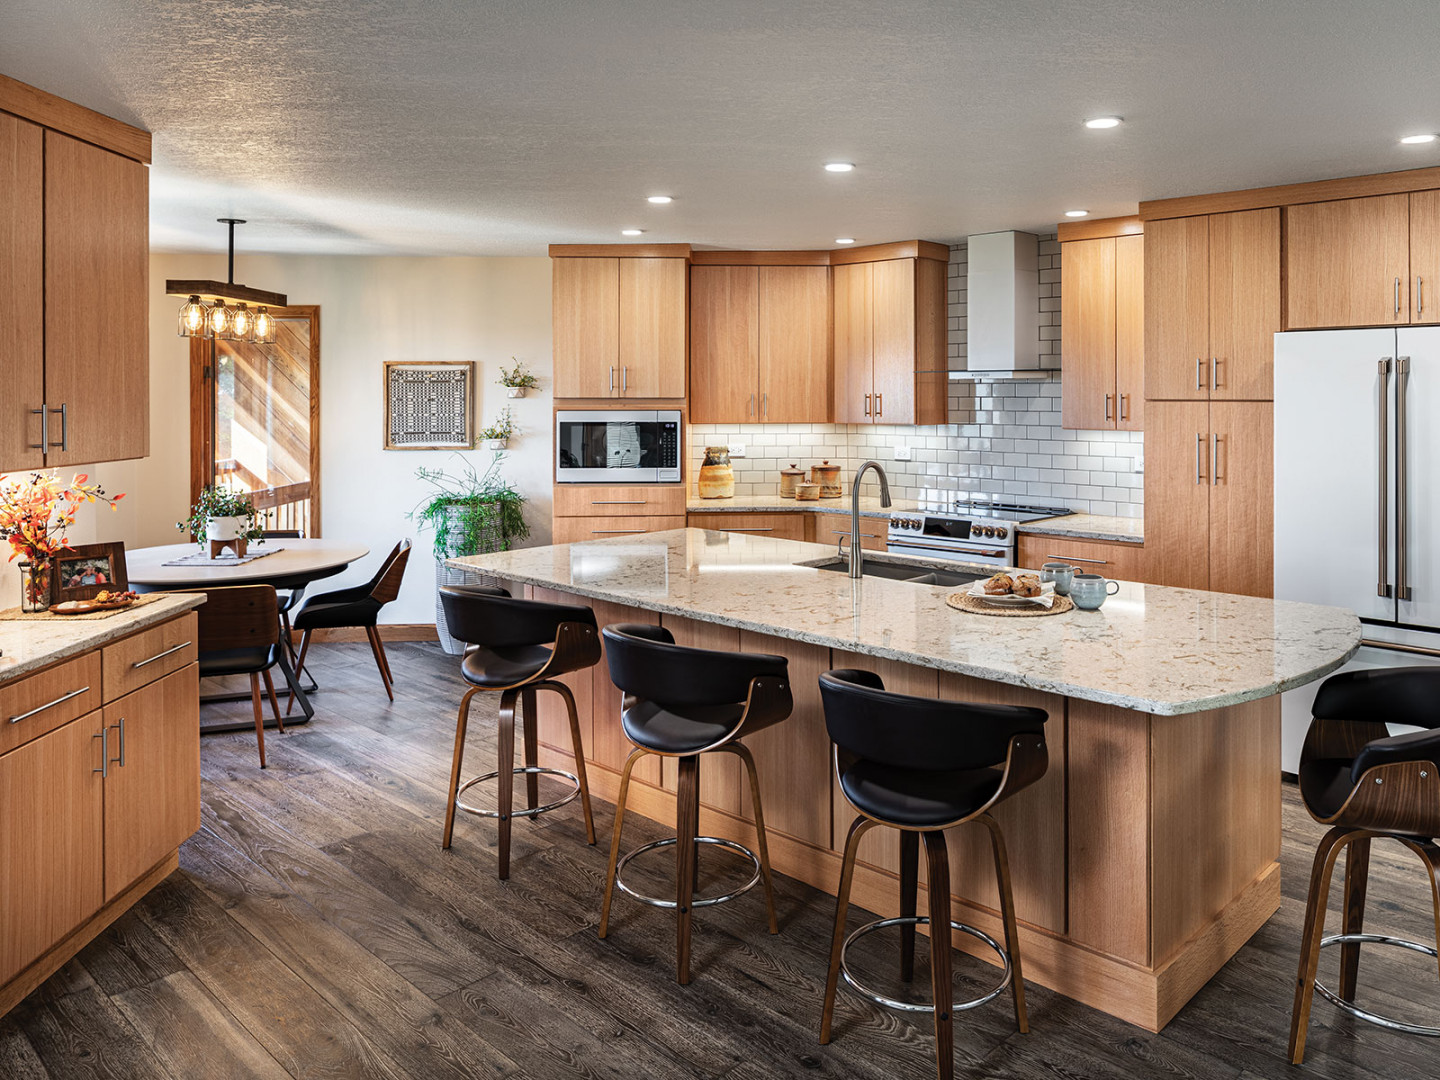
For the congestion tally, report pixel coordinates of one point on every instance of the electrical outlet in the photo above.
(902, 452)
(1140, 462)
(737, 449)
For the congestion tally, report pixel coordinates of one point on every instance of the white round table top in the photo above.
(296, 561)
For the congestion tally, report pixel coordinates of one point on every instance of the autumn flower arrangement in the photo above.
(35, 512)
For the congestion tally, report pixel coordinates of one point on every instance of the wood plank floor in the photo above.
(316, 929)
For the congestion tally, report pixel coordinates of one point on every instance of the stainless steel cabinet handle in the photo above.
(1124, 412)
(867, 404)
(121, 728)
(1402, 495)
(879, 404)
(1382, 581)
(1107, 406)
(44, 414)
(1199, 440)
(612, 378)
(846, 532)
(617, 502)
(748, 528)
(64, 411)
(104, 737)
(1215, 460)
(750, 409)
(1076, 558)
(49, 705)
(624, 378)
(1419, 297)
(615, 532)
(1199, 378)
(160, 655)
(1397, 297)
(764, 406)
(1215, 373)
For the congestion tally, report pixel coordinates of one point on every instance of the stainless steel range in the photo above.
(975, 530)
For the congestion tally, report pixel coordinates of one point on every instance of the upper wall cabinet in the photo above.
(74, 269)
(1102, 330)
(1363, 262)
(620, 325)
(1212, 306)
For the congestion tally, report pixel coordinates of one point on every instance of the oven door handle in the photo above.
(957, 554)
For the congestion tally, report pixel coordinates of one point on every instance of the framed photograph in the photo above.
(87, 569)
(429, 406)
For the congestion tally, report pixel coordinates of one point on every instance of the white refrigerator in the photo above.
(1357, 493)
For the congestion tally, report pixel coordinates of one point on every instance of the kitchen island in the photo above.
(1144, 858)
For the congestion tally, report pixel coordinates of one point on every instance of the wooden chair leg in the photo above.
(374, 636)
(1331, 845)
(1430, 856)
(299, 668)
(635, 756)
(1007, 914)
(762, 849)
(1357, 873)
(274, 702)
(909, 891)
(505, 764)
(687, 827)
(462, 721)
(858, 828)
(578, 749)
(259, 715)
(937, 868)
(384, 657)
(530, 728)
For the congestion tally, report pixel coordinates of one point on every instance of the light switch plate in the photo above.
(737, 449)
(902, 452)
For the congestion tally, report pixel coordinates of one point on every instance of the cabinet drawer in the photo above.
(607, 500)
(570, 530)
(787, 526)
(149, 655)
(1114, 560)
(42, 702)
(830, 527)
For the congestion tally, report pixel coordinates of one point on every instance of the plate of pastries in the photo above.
(1014, 590)
(104, 600)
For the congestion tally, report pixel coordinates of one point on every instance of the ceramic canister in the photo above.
(717, 479)
(828, 477)
(788, 479)
(807, 492)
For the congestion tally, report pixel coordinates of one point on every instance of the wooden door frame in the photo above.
(202, 415)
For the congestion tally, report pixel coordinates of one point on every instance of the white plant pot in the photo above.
(516, 391)
(494, 444)
(224, 528)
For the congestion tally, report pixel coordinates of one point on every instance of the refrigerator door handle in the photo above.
(1402, 500)
(1382, 581)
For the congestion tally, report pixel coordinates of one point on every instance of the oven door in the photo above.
(982, 554)
(631, 447)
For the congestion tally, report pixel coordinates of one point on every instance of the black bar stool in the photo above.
(923, 766)
(681, 703)
(517, 647)
(1368, 785)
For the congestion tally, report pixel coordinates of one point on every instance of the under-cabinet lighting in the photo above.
(631, 232)
(1415, 140)
(1103, 122)
(839, 166)
(844, 240)
(660, 200)
(1077, 213)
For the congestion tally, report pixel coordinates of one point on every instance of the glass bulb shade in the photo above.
(264, 327)
(242, 324)
(192, 318)
(218, 319)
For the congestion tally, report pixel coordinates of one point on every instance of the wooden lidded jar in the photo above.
(828, 477)
(788, 479)
(717, 479)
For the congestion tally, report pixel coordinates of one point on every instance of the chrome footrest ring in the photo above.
(1363, 1014)
(697, 902)
(910, 1006)
(527, 812)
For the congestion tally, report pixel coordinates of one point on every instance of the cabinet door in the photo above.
(1425, 256)
(1177, 309)
(1347, 263)
(97, 314)
(786, 526)
(1129, 332)
(51, 859)
(152, 795)
(829, 528)
(586, 321)
(794, 360)
(852, 301)
(1242, 495)
(894, 337)
(1244, 304)
(1087, 334)
(570, 530)
(725, 338)
(1177, 493)
(22, 303)
(653, 327)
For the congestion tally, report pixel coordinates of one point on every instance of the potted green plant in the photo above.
(225, 515)
(497, 435)
(517, 380)
(471, 513)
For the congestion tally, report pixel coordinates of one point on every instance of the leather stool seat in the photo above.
(680, 729)
(497, 668)
(918, 799)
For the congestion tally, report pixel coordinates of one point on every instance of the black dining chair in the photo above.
(356, 607)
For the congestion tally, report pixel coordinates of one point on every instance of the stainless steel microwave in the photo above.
(618, 446)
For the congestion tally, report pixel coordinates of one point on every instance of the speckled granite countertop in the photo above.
(1159, 650)
(28, 645)
(1079, 526)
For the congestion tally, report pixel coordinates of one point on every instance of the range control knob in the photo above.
(1001, 532)
(896, 523)
(914, 523)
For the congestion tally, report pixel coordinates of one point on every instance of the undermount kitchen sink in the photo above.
(917, 575)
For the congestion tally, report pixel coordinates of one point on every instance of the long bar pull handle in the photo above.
(64, 411)
(104, 737)
(749, 529)
(1215, 373)
(616, 532)
(1419, 297)
(160, 655)
(1397, 297)
(765, 406)
(593, 502)
(750, 409)
(612, 378)
(867, 404)
(1199, 441)
(1382, 581)
(1107, 406)
(120, 727)
(879, 404)
(624, 378)
(1215, 460)
(49, 705)
(1199, 374)
(44, 414)
(1124, 410)
(1076, 558)
(1402, 494)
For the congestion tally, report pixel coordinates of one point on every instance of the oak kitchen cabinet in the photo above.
(1114, 559)
(620, 324)
(760, 344)
(597, 511)
(74, 269)
(1212, 306)
(786, 525)
(1102, 331)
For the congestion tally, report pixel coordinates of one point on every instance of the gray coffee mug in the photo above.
(1089, 591)
(1060, 573)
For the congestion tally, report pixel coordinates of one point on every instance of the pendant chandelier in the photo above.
(221, 309)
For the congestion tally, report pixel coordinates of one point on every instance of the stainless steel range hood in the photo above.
(1003, 309)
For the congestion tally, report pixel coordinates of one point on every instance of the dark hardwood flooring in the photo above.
(316, 929)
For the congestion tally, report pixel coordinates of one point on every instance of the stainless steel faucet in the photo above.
(857, 558)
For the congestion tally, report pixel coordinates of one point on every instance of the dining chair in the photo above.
(239, 634)
(288, 598)
(358, 607)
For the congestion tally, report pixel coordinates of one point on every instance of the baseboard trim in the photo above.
(388, 632)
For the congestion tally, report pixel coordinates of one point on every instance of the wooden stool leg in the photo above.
(909, 891)
(937, 866)
(1357, 873)
(1430, 856)
(1007, 913)
(462, 720)
(529, 719)
(274, 703)
(505, 764)
(578, 748)
(259, 715)
(687, 826)
(858, 828)
(762, 850)
(1320, 874)
(635, 756)
(374, 636)
(299, 668)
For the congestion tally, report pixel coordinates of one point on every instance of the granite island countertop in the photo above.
(1154, 649)
(27, 645)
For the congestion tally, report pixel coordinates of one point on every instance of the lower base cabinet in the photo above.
(785, 526)
(1120, 561)
(831, 528)
(571, 530)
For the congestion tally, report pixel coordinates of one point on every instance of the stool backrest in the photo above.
(925, 734)
(1352, 710)
(490, 617)
(238, 617)
(385, 585)
(646, 663)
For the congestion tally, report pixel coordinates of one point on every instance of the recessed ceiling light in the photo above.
(1103, 122)
(844, 240)
(1077, 213)
(839, 166)
(660, 199)
(631, 232)
(1411, 140)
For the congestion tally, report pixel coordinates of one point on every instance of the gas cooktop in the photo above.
(981, 506)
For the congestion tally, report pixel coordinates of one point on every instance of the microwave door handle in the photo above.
(1382, 423)
(1402, 492)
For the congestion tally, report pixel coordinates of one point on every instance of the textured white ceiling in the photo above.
(457, 127)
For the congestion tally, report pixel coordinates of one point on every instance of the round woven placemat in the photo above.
(966, 602)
